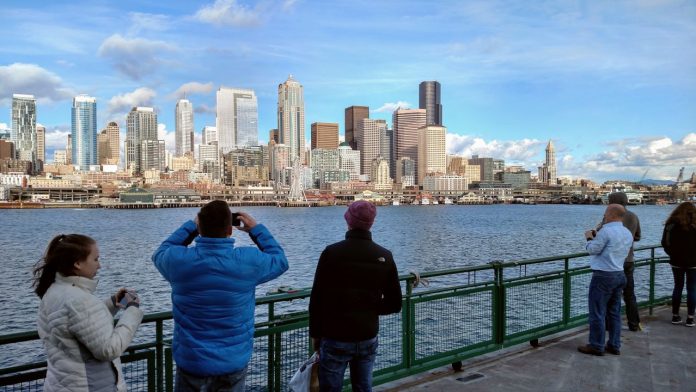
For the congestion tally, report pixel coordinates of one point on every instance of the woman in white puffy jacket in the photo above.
(77, 329)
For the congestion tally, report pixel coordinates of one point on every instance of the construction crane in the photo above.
(680, 178)
(643, 177)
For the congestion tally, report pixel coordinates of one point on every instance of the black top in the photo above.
(355, 282)
(680, 245)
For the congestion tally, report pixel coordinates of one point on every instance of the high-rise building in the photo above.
(325, 135)
(279, 162)
(405, 172)
(209, 135)
(141, 127)
(429, 99)
(68, 151)
(291, 122)
(432, 158)
(41, 145)
(237, 118)
(353, 116)
(183, 127)
(84, 132)
(349, 160)
(108, 141)
(24, 127)
(321, 161)
(369, 135)
(406, 124)
(379, 174)
(273, 136)
(387, 149)
(547, 172)
(152, 155)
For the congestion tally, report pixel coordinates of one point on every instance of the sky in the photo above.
(611, 83)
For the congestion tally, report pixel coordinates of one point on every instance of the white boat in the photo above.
(448, 201)
(425, 201)
(435, 202)
(396, 202)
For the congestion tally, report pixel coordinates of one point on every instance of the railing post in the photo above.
(652, 281)
(271, 352)
(408, 322)
(566, 292)
(498, 303)
(159, 352)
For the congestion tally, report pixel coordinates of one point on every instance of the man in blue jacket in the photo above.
(213, 295)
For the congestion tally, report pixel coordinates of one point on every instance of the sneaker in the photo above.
(635, 328)
(676, 319)
(690, 322)
(587, 349)
(612, 350)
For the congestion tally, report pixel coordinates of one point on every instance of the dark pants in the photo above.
(679, 274)
(233, 382)
(604, 305)
(629, 297)
(334, 357)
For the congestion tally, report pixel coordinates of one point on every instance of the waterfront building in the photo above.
(406, 124)
(40, 146)
(237, 118)
(349, 160)
(183, 134)
(323, 160)
(246, 166)
(84, 132)
(24, 127)
(517, 179)
(273, 136)
(279, 162)
(432, 157)
(429, 99)
(142, 126)
(547, 171)
(324, 135)
(405, 172)
(369, 136)
(460, 166)
(486, 167)
(291, 118)
(379, 174)
(445, 185)
(353, 116)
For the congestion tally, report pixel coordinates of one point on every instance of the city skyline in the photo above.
(611, 85)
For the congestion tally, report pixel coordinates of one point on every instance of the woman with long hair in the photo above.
(83, 346)
(679, 241)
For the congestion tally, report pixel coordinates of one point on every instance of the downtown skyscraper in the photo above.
(142, 147)
(429, 99)
(353, 116)
(237, 118)
(291, 117)
(406, 123)
(183, 127)
(108, 142)
(84, 132)
(24, 128)
(548, 172)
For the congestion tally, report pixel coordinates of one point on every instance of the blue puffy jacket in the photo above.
(213, 296)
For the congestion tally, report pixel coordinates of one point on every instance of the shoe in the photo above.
(587, 349)
(676, 319)
(690, 322)
(635, 328)
(612, 350)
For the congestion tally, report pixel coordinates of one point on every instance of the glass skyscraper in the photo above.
(429, 99)
(291, 121)
(24, 127)
(84, 132)
(184, 127)
(237, 118)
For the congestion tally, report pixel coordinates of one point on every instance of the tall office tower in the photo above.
(41, 144)
(237, 118)
(209, 160)
(405, 172)
(551, 164)
(280, 160)
(102, 147)
(84, 132)
(273, 136)
(323, 160)
(429, 99)
(183, 127)
(387, 149)
(291, 121)
(369, 136)
(152, 155)
(432, 158)
(406, 124)
(24, 127)
(325, 135)
(141, 125)
(354, 114)
(68, 151)
(349, 159)
(209, 135)
(486, 167)
(113, 135)
(379, 174)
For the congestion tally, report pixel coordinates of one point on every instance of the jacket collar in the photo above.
(210, 242)
(359, 234)
(79, 281)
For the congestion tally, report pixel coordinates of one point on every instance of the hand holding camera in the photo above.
(243, 221)
(590, 234)
(126, 298)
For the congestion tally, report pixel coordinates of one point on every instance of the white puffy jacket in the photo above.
(82, 344)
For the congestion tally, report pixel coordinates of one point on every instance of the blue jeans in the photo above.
(679, 274)
(233, 382)
(604, 304)
(334, 357)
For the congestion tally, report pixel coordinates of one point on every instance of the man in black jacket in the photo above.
(356, 281)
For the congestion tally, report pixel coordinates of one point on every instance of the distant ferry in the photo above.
(448, 201)
(634, 197)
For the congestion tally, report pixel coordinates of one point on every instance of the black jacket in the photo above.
(680, 245)
(355, 282)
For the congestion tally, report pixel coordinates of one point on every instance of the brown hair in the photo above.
(214, 219)
(61, 255)
(684, 215)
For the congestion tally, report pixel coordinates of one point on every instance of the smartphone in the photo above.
(235, 219)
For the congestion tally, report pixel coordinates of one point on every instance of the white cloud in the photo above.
(56, 138)
(120, 104)
(229, 13)
(19, 78)
(133, 57)
(143, 21)
(513, 151)
(192, 88)
(203, 108)
(389, 107)
(4, 127)
(169, 137)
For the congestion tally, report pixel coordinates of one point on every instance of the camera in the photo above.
(235, 219)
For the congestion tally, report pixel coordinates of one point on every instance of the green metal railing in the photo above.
(463, 313)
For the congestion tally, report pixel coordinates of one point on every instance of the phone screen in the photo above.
(235, 219)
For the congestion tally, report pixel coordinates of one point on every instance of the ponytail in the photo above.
(61, 254)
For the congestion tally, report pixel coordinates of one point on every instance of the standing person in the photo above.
(355, 282)
(77, 329)
(213, 295)
(608, 248)
(632, 223)
(679, 241)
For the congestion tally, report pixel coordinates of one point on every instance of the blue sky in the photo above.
(613, 84)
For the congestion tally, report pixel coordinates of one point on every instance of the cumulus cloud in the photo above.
(189, 88)
(203, 108)
(513, 151)
(133, 57)
(56, 139)
(120, 104)
(19, 78)
(169, 137)
(389, 107)
(229, 13)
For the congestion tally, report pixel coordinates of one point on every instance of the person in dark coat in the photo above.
(679, 241)
(356, 281)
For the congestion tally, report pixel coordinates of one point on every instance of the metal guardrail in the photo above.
(465, 312)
